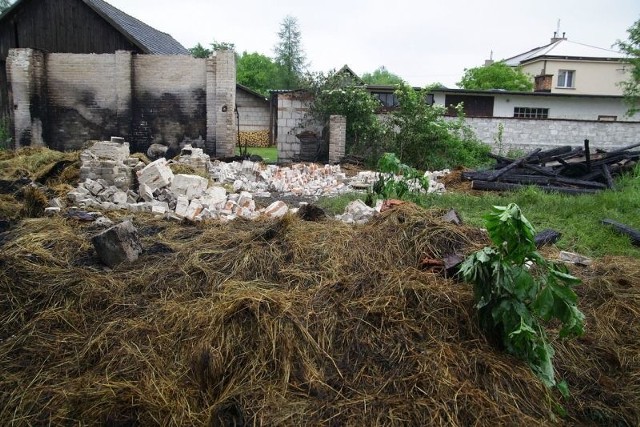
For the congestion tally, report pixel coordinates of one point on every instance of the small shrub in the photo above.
(516, 291)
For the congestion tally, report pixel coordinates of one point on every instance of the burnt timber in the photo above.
(562, 169)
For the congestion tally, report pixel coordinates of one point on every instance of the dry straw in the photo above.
(288, 322)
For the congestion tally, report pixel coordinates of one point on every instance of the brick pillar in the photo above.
(226, 131)
(337, 138)
(26, 78)
(210, 140)
(124, 90)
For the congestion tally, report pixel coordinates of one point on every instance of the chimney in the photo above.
(489, 61)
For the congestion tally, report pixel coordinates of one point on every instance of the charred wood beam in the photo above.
(508, 186)
(546, 180)
(633, 234)
(516, 163)
(546, 237)
(606, 172)
(541, 170)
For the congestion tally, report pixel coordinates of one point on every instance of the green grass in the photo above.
(576, 217)
(268, 154)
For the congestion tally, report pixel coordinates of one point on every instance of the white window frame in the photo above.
(563, 76)
(530, 113)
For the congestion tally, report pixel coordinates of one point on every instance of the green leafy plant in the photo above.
(517, 292)
(395, 179)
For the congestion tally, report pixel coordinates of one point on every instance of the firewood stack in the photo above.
(257, 138)
(563, 169)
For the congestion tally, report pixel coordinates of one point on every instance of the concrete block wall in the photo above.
(254, 112)
(337, 138)
(293, 108)
(63, 100)
(527, 135)
(169, 100)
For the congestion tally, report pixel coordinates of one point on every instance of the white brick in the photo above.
(192, 186)
(156, 174)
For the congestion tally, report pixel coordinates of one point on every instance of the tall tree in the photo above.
(496, 76)
(257, 72)
(289, 55)
(631, 87)
(382, 76)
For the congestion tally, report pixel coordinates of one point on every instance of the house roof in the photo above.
(565, 49)
(147, 38)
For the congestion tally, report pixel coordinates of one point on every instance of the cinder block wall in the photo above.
(253, 112)
(292, 111)
(63, 100)
(526, 135)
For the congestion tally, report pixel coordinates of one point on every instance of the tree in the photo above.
(382, 76)
(216, 46)
(496, 76)
(199, 51)
(4, 5)
(257, 72)
(290, 56)
(631, 87)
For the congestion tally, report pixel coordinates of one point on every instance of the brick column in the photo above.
(226, 134)
(26, 78)
(337, 138)
(124, 90)
(210, 140)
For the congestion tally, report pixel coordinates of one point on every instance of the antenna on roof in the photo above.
(556, 34)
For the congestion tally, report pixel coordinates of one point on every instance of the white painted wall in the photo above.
(591, 77)
(573, 107)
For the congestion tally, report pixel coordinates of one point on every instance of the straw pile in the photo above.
(286, 323)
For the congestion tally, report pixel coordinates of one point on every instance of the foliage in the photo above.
(217, 46)
(258, 72)
(514, 299)
(631, 87)
(199, 51)
(4, 5)
(382, 76)
(397, 180)
(496, 76)
(289, 54)
(333, 95)
(425, 139)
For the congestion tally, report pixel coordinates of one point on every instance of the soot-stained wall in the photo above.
(63, 100)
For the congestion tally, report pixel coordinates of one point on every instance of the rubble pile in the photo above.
(111, 180)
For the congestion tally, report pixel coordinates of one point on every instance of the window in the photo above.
(566, 78)
(388, 100)
(530, 113)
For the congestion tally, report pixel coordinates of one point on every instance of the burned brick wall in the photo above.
(64, 100)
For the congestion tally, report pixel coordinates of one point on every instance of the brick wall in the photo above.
(337, 138)
(144, 98)
(292, 110)
(254, 112)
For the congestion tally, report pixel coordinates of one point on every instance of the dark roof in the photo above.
(142, 35)
(492, 92)
(251, 92)
(147, 38)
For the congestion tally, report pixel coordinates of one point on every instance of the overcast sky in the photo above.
(422, 41)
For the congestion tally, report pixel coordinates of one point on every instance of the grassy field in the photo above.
(576, 217)
(268, 154)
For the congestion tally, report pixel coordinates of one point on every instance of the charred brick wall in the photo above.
(63, 100)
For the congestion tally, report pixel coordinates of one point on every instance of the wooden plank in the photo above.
(633, 234)
(516, 163)
(547, 180)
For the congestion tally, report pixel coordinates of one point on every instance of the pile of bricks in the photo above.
(228, 194)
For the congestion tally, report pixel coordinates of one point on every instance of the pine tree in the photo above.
(290, 56)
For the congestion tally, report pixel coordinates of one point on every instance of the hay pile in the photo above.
(286, 323)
